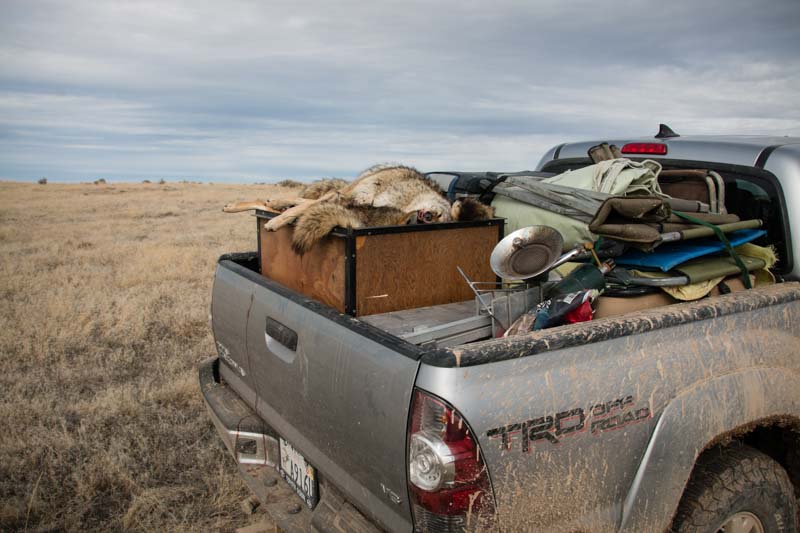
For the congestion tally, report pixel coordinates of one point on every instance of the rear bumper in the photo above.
(254, 446)
(242, 431)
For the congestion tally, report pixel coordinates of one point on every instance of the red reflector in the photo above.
(455, 501)
(645, 148)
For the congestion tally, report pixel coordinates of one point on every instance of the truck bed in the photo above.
(342, 396)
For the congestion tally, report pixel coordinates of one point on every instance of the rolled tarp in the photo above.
(713, 267)
(642, 220)
(704, 269)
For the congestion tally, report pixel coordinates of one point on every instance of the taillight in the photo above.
(645, 148)
(448, 481)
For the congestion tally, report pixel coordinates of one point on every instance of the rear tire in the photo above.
(737, 489)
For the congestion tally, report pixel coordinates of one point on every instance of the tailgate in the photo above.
(336, 389)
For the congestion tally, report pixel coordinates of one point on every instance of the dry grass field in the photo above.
(105, 293)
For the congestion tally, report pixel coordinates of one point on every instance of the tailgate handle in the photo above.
(277, 332)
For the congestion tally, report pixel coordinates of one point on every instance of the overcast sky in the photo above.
(264, 90)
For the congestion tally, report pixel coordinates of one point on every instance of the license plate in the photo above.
(299, 474)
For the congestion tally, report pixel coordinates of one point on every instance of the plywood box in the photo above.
(376, 270)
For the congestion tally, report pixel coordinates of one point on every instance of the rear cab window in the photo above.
(749, 192)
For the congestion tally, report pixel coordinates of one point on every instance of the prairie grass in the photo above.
(105, 293)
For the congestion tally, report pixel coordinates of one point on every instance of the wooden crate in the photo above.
(376, 270)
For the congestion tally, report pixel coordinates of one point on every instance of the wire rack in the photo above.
(504, 302)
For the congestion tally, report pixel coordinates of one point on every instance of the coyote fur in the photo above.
(380, 196)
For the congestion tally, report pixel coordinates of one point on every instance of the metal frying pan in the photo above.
(527, 252)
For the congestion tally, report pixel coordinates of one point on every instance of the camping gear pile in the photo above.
(640, 232)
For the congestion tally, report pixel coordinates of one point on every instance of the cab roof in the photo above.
(730, 149)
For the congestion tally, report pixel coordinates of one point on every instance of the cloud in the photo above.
(256, 90)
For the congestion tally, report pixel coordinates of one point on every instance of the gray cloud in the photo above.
(256, 90)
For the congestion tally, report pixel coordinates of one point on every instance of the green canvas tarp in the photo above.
(558, 201)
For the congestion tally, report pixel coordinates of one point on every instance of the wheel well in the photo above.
(781, 443)
(777, 437)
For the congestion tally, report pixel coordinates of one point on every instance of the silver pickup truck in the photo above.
(683, 417)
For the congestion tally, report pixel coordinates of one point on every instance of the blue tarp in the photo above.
(669, 255)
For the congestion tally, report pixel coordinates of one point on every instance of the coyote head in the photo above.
(430, 208)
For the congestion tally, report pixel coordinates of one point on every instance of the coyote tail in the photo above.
(318, 221)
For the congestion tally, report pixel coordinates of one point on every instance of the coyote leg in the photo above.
(291, 214)
(288, 216)
(238, 207)
(276, 206)
(282, 204)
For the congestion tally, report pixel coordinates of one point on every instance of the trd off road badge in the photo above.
(598, 418)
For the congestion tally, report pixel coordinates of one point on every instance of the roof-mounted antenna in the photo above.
(665, 132)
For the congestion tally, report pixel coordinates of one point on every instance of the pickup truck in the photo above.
(684, 417)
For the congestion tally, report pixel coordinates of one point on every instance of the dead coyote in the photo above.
(380, 196)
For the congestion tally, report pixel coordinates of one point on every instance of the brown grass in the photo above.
(105, 295)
